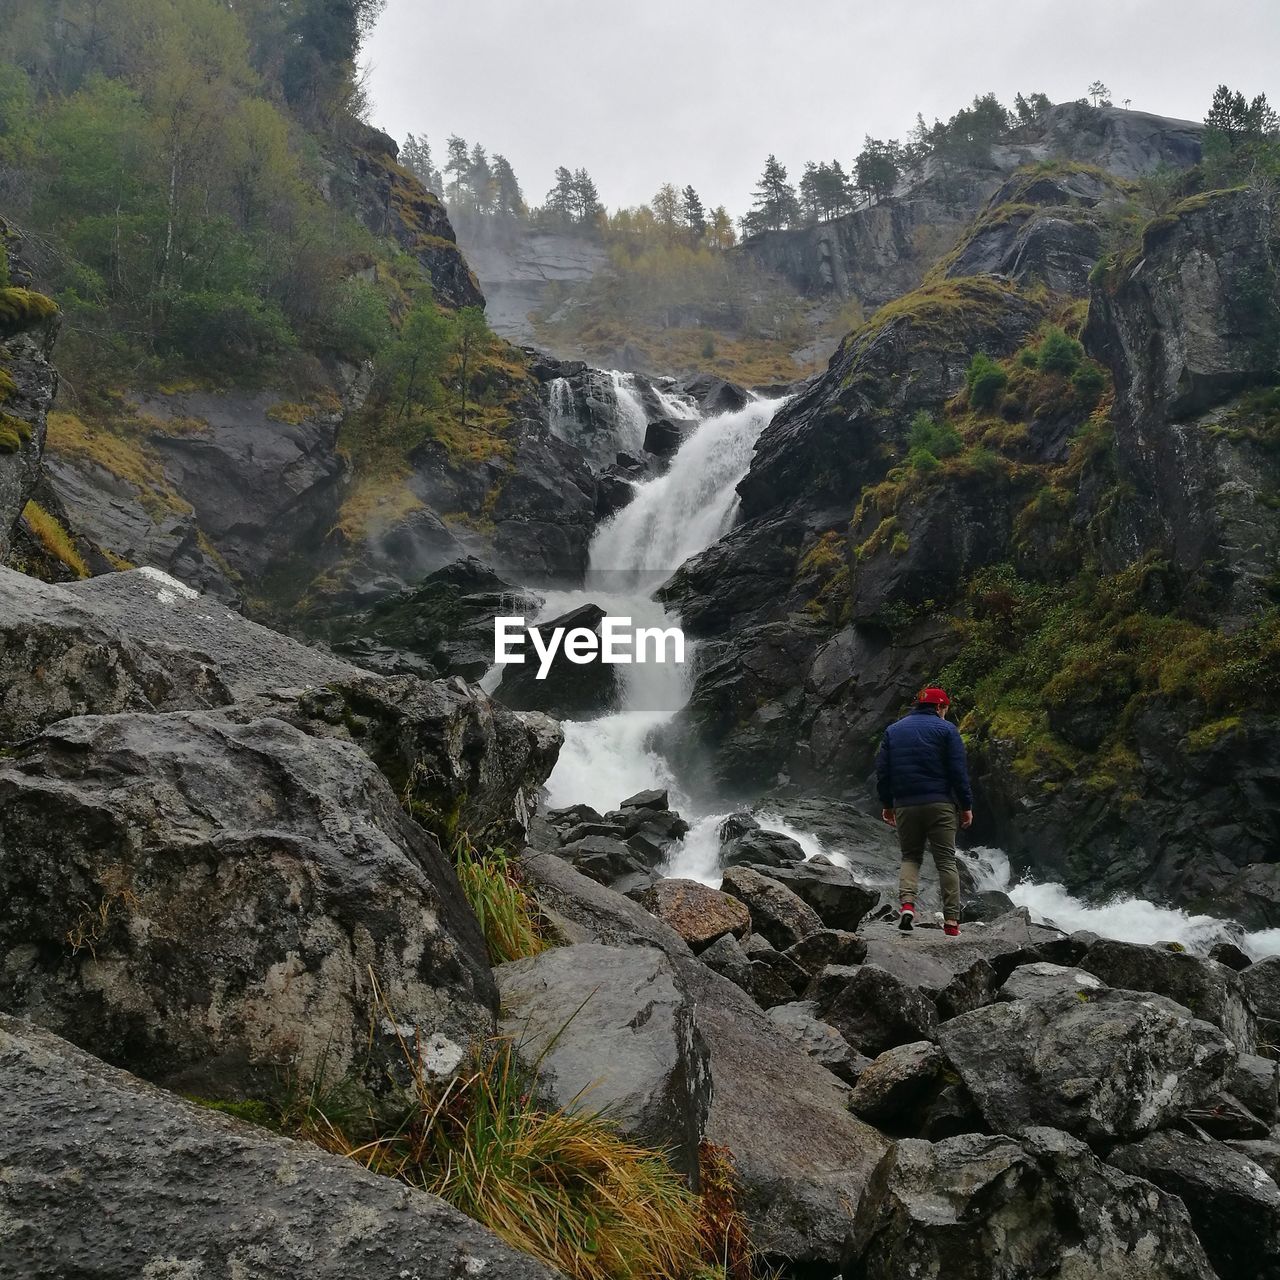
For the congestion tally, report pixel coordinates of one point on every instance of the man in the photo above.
(922, 779)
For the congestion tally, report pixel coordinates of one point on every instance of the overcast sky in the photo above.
(640, 92)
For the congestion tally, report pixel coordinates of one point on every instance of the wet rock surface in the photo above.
(609, 1029)
(179, 899)
(173, 1189)
(979, 1207)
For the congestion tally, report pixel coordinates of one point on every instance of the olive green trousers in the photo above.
(936, 826)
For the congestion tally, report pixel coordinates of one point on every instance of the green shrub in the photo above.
(1059, 353)
(226, 329)
(356, 323)
(1089, 382)
(930, 440)
(986, 380)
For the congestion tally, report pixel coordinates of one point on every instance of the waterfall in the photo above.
(560, 411)
(674, 517)
(633, 421)
(670, 519)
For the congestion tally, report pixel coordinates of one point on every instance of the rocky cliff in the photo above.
(1093, 571)
(880, 252)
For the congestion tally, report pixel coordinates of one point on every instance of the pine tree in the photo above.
(776, 205)
(480, 181)
(1100, 94)
(586, 199)
(876, 168)
(457, 166)
(415, 155)
(666, 209)
(508, 201)
(561, 201)
(693, 214)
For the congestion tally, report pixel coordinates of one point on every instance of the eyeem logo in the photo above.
(618, 642)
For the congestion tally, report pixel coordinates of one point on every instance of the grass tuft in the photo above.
(50, 534)
(508, 915)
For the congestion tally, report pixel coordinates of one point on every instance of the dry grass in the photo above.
(49, 533)
(562, 1187)
(118, 447)
(91, 925)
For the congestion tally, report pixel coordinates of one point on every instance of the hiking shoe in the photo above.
(951, 930)
(907, 920)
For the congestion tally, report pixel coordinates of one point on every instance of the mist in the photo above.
(701, 93)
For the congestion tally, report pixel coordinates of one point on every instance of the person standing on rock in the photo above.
(923, 782)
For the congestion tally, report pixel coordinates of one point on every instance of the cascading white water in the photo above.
(670, 519)
(560, 410)
(633, 421)
(1129, 919)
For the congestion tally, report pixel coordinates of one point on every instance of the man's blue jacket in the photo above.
(921, 761)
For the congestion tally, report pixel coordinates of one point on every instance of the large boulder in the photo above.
(108, 1177)
(569, 690)
(838, 897)
(777, 914)
(1262, 986)
(1100, 1064)
(803, 1161)
(873, 1009)
(698, 914)
(609, 1029)
(1234, 1205)
(141, 641)
(214, 905)
(799, 1022)
(1209, 989)
(896, 1082)
(978, 1207)
(58, 658)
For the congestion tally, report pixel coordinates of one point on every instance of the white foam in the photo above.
(1126, 919)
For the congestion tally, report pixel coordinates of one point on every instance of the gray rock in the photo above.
(776, 913)
(986, 906)
(802, 1159)
(727, 958)
(112, 1178)
(647, 800)
(775, 978)
(1229, 954)
(826, 947)
(609, 1030)
(84, 665)
(760, 848)
(208, 903)
(839, 899)
(875, 1011)
(955, 977)
(800, 1023)
(1262, 986)
(461, 761)
(896, 1083)
(1265, 1153)
(603, 858)
(569, 690)
(979, 1207)
(1209, 989)
(1255, 1082)
(1031, 981)
(1234, 1205)
(584, 911)
(1100, 1064)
